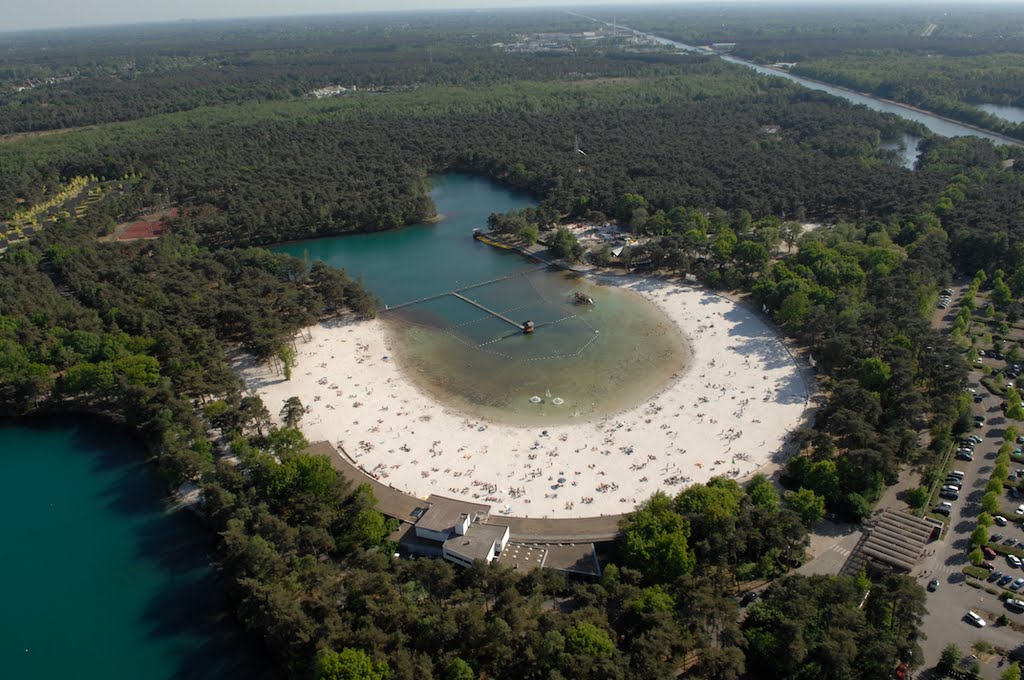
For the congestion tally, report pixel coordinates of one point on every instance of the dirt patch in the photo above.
(146, 227)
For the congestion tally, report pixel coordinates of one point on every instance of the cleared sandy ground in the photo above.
(728, 414)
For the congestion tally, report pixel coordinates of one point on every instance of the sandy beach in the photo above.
(727, 414)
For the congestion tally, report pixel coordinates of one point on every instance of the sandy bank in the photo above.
(727, 415)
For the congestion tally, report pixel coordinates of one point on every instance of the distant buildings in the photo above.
(332, 91)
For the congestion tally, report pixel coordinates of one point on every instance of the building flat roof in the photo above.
(522, 557)
(574, 558)
(478, 543)
(898, 539)
(444, 513)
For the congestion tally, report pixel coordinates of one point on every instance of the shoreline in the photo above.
(727, 414)
(459, 404)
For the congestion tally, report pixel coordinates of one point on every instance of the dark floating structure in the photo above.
(582, 299)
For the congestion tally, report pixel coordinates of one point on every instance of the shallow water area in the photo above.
(583, 361)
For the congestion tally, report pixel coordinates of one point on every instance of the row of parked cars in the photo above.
(946, 298)
(965, 450)
(951, 491)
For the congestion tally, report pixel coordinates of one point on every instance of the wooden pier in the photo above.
(428, 298)
(489, 311)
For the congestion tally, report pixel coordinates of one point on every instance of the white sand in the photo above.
(726, 415)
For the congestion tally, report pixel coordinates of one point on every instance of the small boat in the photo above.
(528, 327)
(581, 299)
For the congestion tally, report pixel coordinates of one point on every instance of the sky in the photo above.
(29, 14)
(16, 15)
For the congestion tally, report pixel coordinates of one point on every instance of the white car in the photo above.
(1013, 560)
(1000, 520)
(975, 619)
(1019, 510)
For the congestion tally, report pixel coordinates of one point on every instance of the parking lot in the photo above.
(948, 605)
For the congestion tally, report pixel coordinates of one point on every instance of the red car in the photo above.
(988, 552)
(987, 565)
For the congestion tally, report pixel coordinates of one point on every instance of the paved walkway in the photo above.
(398, 504)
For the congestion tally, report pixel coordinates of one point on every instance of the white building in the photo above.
(456, 530)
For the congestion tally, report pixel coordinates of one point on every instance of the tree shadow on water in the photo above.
(188, 612)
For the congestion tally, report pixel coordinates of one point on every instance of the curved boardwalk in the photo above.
(400, 505)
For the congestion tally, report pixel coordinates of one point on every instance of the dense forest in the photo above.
(718, 166)
(942, 62)
(268, 180)
(124, 74)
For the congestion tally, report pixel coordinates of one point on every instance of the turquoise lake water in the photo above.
(594, 359)
(100, 580)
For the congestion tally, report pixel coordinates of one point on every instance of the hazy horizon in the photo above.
(53, 14)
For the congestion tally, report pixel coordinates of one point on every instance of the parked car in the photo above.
(995, 538)
(1017, 583)
(942, 510)
(975, 619)
(1013, 560)
(1010, 541)
(1000, 520)
(748, 597)
(953, 482)
(985, 564)
(949, 495)
(950, 487)
(995, 575)
(964, 455)
(1015, 604)
(978, 398)
(976, 439)
(1004, 580)
(933, 585)
(1019, 510)
(988, 552)
(957, 473)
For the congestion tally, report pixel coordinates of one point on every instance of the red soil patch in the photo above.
(137, 230)
(152, 227)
